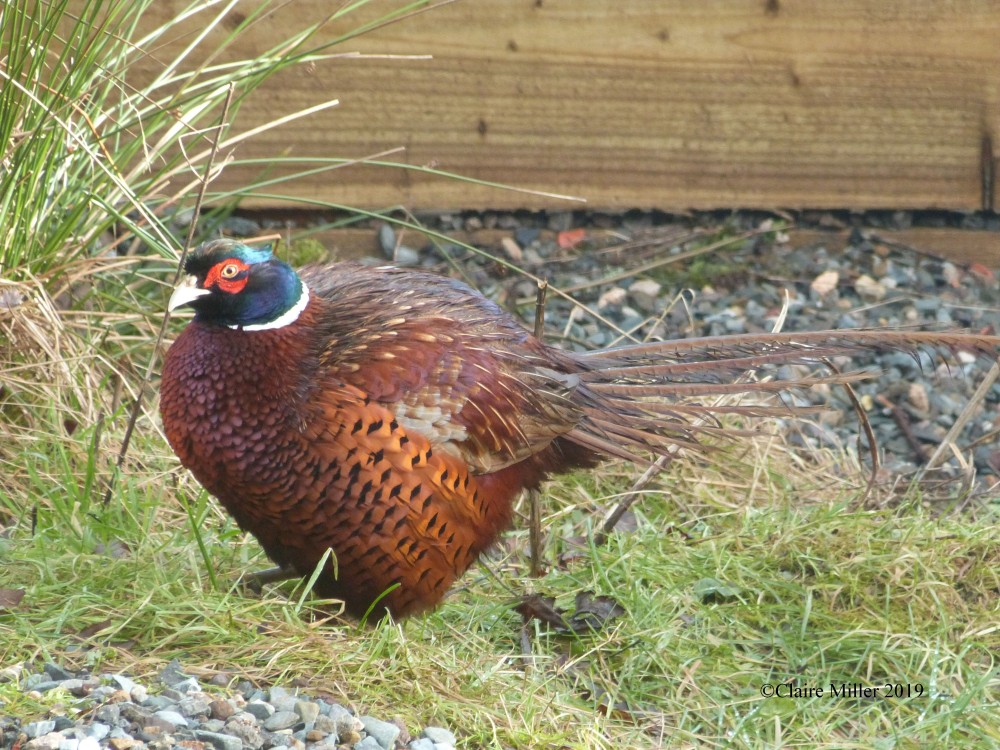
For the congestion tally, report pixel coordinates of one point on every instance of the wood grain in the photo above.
(670, 104)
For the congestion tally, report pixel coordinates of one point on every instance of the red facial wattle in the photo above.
(230, 276)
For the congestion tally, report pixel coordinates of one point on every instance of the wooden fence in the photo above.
(671, 104)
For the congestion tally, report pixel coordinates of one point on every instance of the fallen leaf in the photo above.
(917, 395)
(571, 238)
(10, 598)
(91, 630)
(543, 608)
(513, 250)
(711, 590)
(984, 273)
(952, 275)
(594, 612)
(825, 283)
(613, 297)
(869, 289)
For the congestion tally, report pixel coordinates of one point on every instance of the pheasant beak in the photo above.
(186, 293)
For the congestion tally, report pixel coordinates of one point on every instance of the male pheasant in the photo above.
(393, 416)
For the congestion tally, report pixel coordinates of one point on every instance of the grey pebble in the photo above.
(383, 731)
(324, 723)
(524, 236)
(406, 257)
(344, 718)
(421, 743)
(369, 743)
(400, 255)
(244, 726)
(45, 686)
(38, 728)
(259, 709)
(101, 693)
(48, 741)
(108, 713)
(125, 683)
(219, 741)
(74, 686)
(55, 672)
(173, 673)
(439, 735)
(98, 730)
(157, 702)
(560, 221)
(282, 699)
(240, 226)
(197, 704)
(172, 718)
(307, 711)
(387, 240)
(281, 720)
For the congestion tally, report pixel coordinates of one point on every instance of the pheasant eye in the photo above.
(229, 276)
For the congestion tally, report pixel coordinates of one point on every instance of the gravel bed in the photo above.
(116, 712)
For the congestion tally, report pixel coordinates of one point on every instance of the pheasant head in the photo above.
(234, 285)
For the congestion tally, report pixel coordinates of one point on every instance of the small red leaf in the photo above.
(571, 238)
(983, 272)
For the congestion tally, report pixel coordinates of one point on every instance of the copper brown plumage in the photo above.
(393, 416)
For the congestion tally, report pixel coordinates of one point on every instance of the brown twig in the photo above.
(534, 497)
(866, 427)
(631, 496)
(137, 405)
(543, 288)
(902, 421)
(971, 408)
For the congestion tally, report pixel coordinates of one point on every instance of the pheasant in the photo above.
(393, 416)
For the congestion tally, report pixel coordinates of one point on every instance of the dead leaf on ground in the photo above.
(570, 238)
(10, 598)
(713, 591)
(593, 613)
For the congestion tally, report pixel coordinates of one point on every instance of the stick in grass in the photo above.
(137, 405)
(534, 497)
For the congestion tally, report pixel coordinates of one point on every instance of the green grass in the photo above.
(730, 581)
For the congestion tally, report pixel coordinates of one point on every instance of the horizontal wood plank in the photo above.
(670, 104)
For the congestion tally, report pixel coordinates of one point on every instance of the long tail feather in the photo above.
(637, 397)
(787, 348)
